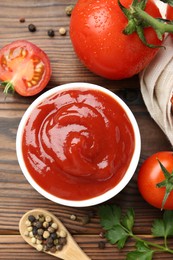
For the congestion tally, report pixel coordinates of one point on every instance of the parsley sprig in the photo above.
(119, 227)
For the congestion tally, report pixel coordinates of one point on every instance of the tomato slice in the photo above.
(24, 67)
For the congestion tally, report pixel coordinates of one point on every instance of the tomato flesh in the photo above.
(150, 174)
(25, 66)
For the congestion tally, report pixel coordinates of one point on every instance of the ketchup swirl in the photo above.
(78, 144)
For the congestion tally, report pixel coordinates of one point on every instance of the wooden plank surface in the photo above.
(16, 194)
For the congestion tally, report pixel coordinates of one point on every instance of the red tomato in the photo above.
(169, 12)
(24, 67)
(151, 174)
(96, 31)
(169, 15)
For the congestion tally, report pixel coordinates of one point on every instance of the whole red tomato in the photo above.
(24, 68)
(150, 174)
(96, 31)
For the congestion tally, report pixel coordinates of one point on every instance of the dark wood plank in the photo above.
(20, 250)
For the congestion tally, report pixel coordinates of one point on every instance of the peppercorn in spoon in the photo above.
(46, 233)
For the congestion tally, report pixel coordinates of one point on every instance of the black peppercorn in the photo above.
(49, 240)
(38, 224)
(62, 241)
(53, 235)
(34, 231)
(31, 27)
(31, 218)
(101, 244)
(51, 33)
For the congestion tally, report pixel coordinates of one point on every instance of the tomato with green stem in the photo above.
(116, 39)
(24, 68)
(155, 180)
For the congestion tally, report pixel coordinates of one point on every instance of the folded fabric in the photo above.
(156, 83)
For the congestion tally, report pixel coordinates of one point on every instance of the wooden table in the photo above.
(16, 194)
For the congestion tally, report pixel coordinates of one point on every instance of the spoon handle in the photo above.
(74, 252)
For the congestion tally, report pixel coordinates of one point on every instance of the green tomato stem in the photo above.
(156, 24)
(8, 87)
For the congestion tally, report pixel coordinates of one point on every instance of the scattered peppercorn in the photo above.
(62, 31)
(31, 27)
(69, 10)
(101, 244)
(73, 217)
(45, 234)
(85, 219)
(51, 33)
(22, 20)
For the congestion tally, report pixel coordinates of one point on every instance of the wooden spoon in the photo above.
(71, 251)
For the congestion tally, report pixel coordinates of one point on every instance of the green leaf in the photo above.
(143, 252)
(136, 255)
(158, 229)
(109, 216)
(163, 227)
(128, 219)
(142, 246)
(168, 222)
(121, 242)
(116, 234)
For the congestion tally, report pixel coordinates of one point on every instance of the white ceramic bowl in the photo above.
(95, 200)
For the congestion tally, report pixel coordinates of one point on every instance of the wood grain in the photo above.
(16, 194)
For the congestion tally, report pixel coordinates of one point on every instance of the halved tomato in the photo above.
(24, 68)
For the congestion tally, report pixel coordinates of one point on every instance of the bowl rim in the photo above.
(110, 193)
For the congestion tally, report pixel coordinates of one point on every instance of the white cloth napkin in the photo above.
(156, 83)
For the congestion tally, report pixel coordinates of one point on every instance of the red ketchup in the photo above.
(78, 144)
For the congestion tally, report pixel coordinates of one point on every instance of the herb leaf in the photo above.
(128, 219)
(109, 216)
(163, 227)
(158, 229)
(119, 227)
(121, 242)
(115, 234)
(143, 252)
(135, 255)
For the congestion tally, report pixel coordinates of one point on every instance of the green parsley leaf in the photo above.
(119, 227)
(115, 234)
(142, 246)
(163, 227)
(128, 219)
(121, 242)
(109, 216)
(136, 255)
(158, 229)
(168, 222)
(143, 252)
